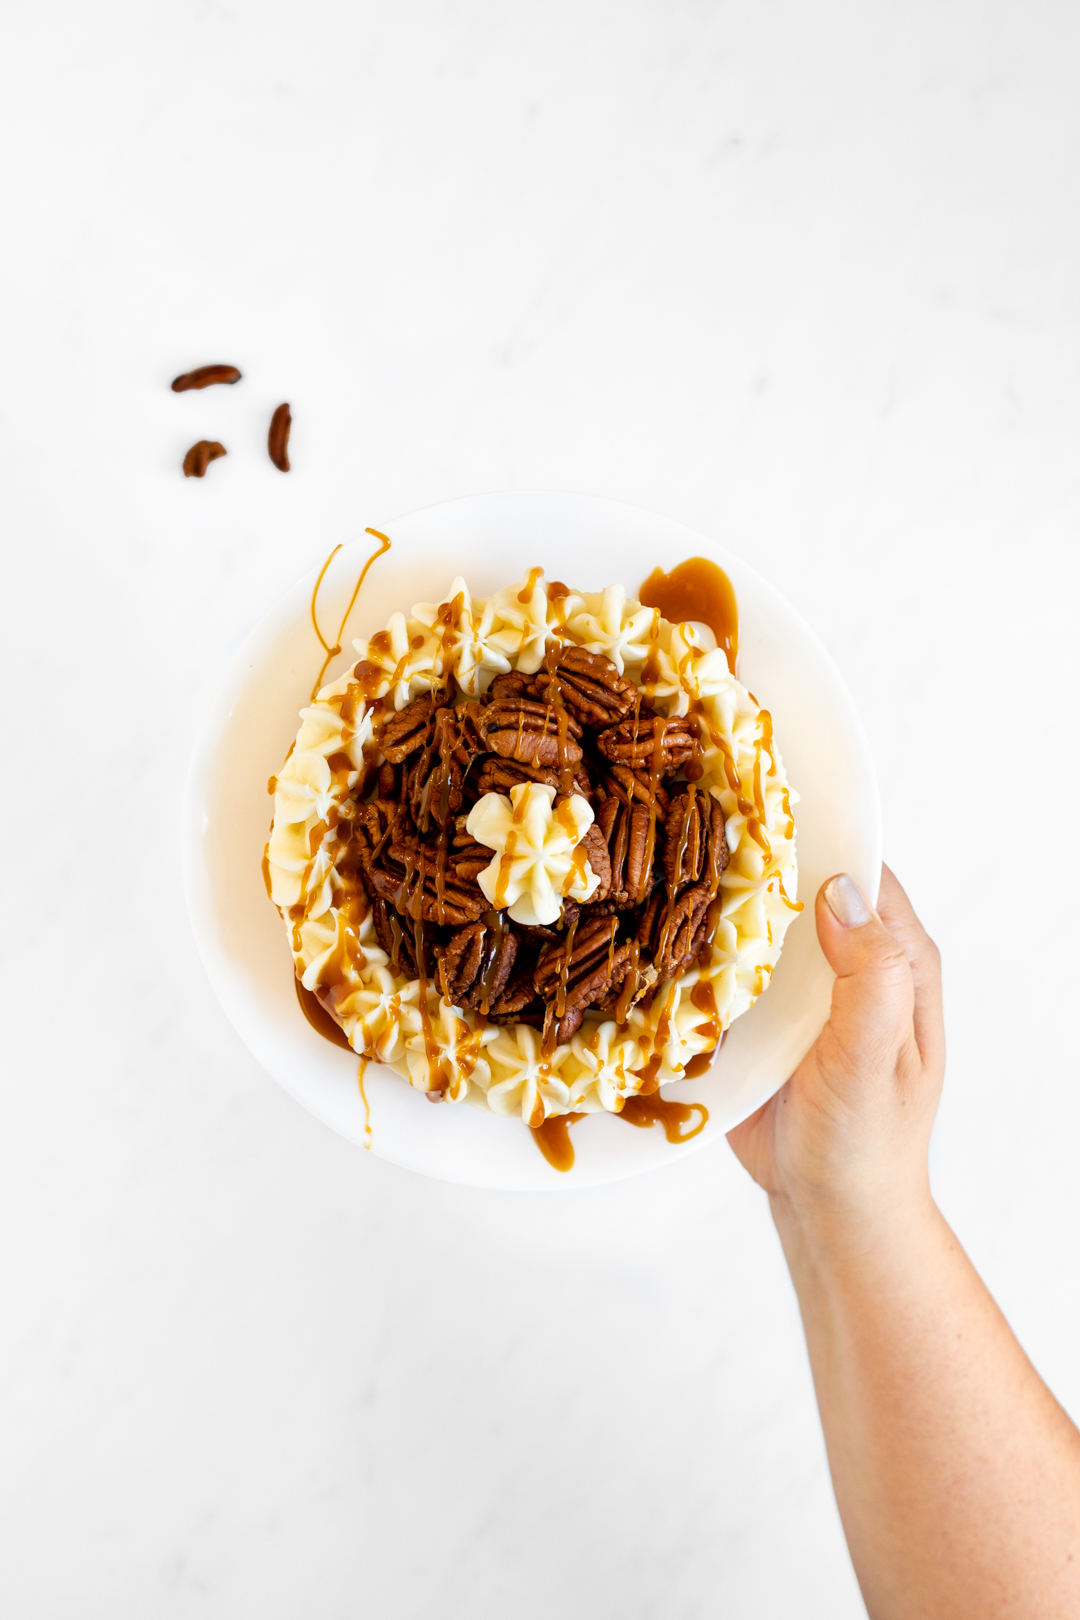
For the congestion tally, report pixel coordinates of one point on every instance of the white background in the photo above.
(803, 275)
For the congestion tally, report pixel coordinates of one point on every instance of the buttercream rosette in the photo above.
(407, 1023)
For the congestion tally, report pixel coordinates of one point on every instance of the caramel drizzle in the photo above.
(364, 1100)
(332, 652)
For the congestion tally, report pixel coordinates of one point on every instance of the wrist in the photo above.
(841, 1226)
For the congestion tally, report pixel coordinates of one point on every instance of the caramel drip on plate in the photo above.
(653, 1109)
(697, 590)
(332, 652)
(322, 1022)
(364, 1100)
(553, 1140)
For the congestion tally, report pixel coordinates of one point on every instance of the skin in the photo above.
(956, 1473)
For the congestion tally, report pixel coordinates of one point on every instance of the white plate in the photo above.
(491, 540)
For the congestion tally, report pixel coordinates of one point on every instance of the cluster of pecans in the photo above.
(657, 842)
(205, 451)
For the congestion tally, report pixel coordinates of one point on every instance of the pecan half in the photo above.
(589, 684)
(476, 964)
(436, 785)
(650, 742)
(541, 1015)
(428, 884)
(518, 997)
(582, 969)
(695, 841)
(397, 942)
(497, 775)
(509, 686)
(673, 932)
(596, 853)
(637, 787)
(403, 733)
(467, 857)
(629, 833)
(521, 730)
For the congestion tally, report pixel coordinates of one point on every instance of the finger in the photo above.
(898, 915)
(874, 991)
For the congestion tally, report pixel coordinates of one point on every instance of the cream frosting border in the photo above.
(502, 1067)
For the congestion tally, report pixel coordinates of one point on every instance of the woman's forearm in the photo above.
(956, 1473)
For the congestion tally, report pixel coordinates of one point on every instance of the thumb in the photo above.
(873, 997)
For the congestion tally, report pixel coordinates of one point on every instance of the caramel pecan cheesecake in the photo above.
(535, 852)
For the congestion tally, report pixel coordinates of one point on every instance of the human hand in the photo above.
(849, 1132)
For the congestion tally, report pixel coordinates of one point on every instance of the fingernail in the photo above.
(845, 901)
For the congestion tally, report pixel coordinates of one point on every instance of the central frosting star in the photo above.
(538, 860)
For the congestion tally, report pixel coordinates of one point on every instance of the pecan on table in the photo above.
(522, 730)
(637, 787)
(476, 964)
(589, 685)
(630, 836)
(403, 733)
(674, 932)
(650, 741)
(581, 970)
(695, 842)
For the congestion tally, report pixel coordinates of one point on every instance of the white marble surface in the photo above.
(801, 274)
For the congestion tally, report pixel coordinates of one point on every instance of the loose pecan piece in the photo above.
(649, 741)
(589, 684)
(201, 455)
(476, 964)
(673, 932)
(203, 377)
(629, 833)
(695, 841)
(277, 440)
(403, 733)
(521, 730)
(580, 970)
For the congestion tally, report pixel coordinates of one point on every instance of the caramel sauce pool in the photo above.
(697, 589)
(673, 1116)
